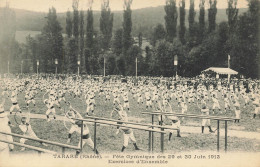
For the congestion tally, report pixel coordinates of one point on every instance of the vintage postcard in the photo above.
(129, 83)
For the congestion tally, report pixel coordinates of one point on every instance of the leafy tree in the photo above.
(75, 19)
(232, 13)
(52, 36)
(72, 53)
(212, 12)
(132, 53)
(201, 20)
(164, 57)
(194, 39)
(87, 55)
(140, 64)
(93, 63)
(121, 65)
(192, 15)
(106, 24)
(31, 49)
(69, 24)
(180, 50)
(26, 58)
(192, 28)
(76, 24)
(171, 19)
(222, 54)
(111, 65)
(117, 42)
(127, 39)
(207, 52)
(81, 42)
(193, 62)
(89, 40)
(127, 26)
(43, 53)
(140, 39)
(89, 29)
(182, 21)
(7, 38)
(158, 34)
(148, 63)
(244, 44)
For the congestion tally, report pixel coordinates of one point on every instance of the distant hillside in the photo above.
(20, 36)
(143, 19)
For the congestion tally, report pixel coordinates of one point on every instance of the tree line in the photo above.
(198, 45)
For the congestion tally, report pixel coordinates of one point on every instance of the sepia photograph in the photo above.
(129, 83)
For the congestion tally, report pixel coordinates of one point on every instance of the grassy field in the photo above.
(108, 141)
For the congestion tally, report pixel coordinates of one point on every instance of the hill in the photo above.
(144, 20)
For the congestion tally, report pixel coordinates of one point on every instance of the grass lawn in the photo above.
(108, 142)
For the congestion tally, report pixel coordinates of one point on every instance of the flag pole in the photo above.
(176, 65)
(228, 67)
(228, 61)
(136, 67)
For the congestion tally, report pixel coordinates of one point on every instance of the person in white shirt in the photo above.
(29, 98)
(184, 107)
(246, 98)
(126, 101)
(205, 122)
(90, 104)
(72, 113)
(148, 99)
(159, 108)
(175, 123)
(5, 127)
(237, 110)
(86, 139)
(120, 114)
(215, 103)
(15, 104)
(116, 98)
(128, 134)
(256, 104)
(27, 130)
(226, 102)
(107, 94)
(5, 93)
(155, 97)
(139, 96)
(62, 93)
(51, 110)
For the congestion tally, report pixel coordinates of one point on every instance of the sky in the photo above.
(116, 5)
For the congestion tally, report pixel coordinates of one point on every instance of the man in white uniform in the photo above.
(27, 130)
(4, 127)
(126, 101)
(205, 122)
(127, 132)
(85, 138)
(51, 110)
(256, 104)
(76, 127)
(15, 104)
